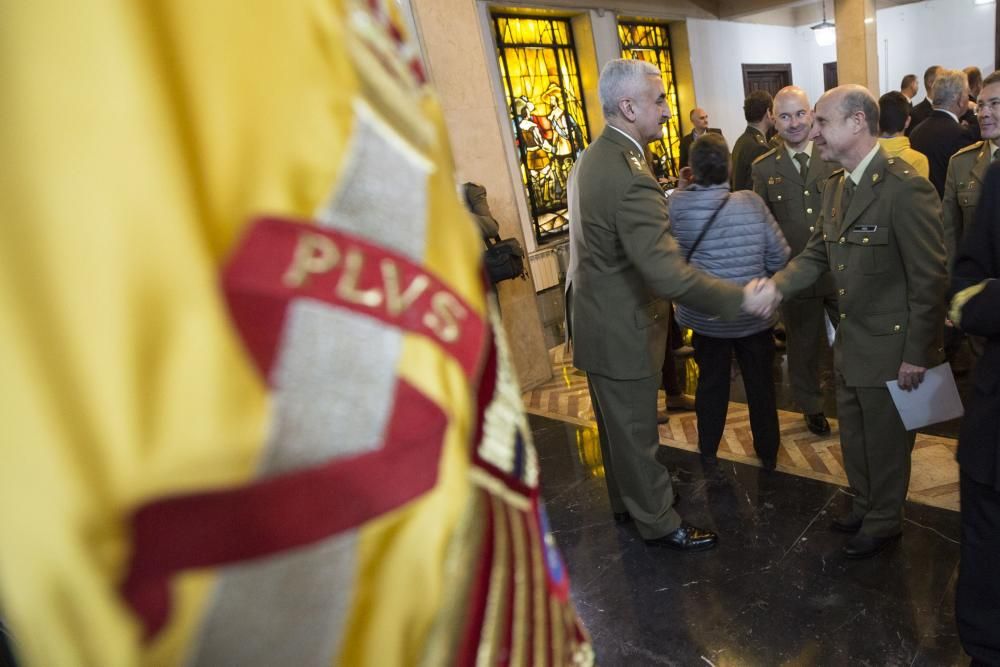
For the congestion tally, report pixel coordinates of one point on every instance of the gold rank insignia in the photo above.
(874, 178)
(636, 161)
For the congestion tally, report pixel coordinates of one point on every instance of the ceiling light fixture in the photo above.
(825, 32)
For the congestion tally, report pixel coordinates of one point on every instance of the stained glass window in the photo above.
(651, 42)
(540, 78)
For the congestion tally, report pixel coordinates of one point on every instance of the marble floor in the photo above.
(776, 591)
(934, 479)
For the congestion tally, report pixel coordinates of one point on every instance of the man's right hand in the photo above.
(760, 297)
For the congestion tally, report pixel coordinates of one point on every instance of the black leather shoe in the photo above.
(846, 524)
(662, 417)
(818, 424)
(769, 464)
(865, 546)
(686, 538)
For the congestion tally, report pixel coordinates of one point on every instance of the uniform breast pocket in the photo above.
(872, 246)
(654, 312)
(967, 202)
(777, 198)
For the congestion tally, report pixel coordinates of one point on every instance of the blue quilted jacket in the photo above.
(743, 243)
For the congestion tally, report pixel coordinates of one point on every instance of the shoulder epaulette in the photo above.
(636, 162)
(770, 153)
(970, 148)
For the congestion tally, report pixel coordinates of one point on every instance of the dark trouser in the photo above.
(876, 449)
(671, 383)
(755, 356)
(626, 424)
(977, 599)
(805, 338)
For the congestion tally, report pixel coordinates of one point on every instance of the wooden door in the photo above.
(830, 75)
(771, 78)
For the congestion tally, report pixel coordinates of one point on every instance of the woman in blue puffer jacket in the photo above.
(741, 243)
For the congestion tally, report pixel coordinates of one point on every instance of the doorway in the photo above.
(830, 75)
(770, 78)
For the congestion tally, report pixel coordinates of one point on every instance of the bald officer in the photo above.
(623, 267)
(879, 234)
(790, 179)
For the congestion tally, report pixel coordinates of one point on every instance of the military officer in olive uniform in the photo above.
(967, 168)
(623, 266)
(790, 178)
(753, 142)
(879, 234)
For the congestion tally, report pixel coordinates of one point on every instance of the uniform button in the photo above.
(779, 197)
(806, 193)
(809, 210)
(812, 228)
(840, 267)
(843, 316)
(842, 240)
(895, 327)
(842, 291)
(864, 240)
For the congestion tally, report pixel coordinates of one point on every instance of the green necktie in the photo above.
(848, 193)
(803, 161)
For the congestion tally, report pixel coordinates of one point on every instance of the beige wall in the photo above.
(453, 44)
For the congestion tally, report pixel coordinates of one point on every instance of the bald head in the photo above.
(793, 116)
(846, 125)
(699, 119)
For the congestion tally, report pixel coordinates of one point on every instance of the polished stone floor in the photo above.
(776, 591)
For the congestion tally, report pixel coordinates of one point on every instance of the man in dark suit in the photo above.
(909, 88)
(699, 123)
(940, 136)
(623, 266)
(790, 179)
(879, 234)
(968, 120)
(923, 110)
(976, 309)
(753, 142)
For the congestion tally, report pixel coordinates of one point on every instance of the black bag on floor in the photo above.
(504, 259)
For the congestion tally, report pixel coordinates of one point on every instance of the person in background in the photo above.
(975, 308)
(909, 87)
(968, 120)
(753, 142)
(699, 124)
(735, 237)
(790, 179)
(966, 177)
(479, 207)
(921, 111)
(893, 119)
(940, 136)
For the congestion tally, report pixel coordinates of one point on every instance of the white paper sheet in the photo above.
(935, 400)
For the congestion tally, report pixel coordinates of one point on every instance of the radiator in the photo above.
(544, 269)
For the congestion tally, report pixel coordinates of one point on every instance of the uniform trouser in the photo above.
(626, 425)
(755, 356)
(805, 337)
(977, 598)
(876, 449)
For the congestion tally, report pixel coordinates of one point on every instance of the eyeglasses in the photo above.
(993, 104)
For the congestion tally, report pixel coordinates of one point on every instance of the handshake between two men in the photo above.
(760, 297)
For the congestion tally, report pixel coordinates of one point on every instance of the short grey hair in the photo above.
(621, 79)
(950, 86)
(860, 99)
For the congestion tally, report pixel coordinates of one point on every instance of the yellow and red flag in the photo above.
(257, 408)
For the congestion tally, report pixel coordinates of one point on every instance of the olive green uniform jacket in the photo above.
(962, 187)
(748, 147)
(794, 201)
(886, 255)
(625, 266)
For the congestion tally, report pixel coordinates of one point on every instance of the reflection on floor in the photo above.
(934, 480)
(775, 591)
